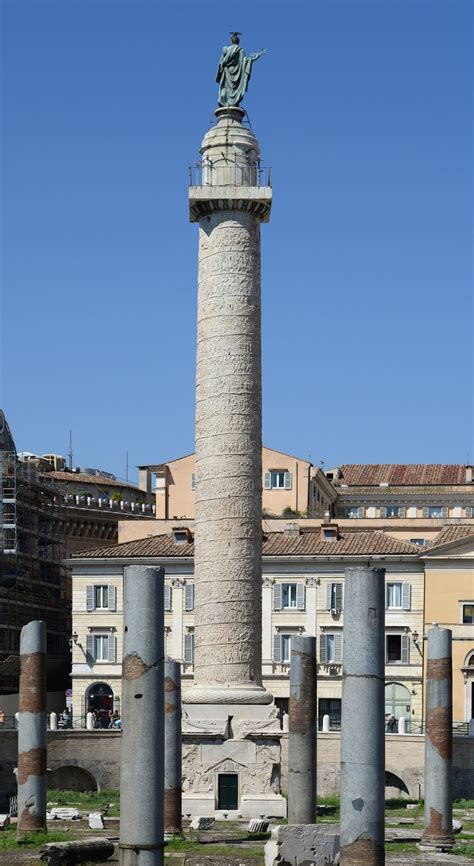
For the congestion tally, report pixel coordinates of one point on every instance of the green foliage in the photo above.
(29, 840)
(87, 801)
(209, 849)
(464, 851)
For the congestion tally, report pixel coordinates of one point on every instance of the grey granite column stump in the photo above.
(173, 823)
(32, 730)
(302, 731)
(362, 722)
(438, 830)
(142, 746)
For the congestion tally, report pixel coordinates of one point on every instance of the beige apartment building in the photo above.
(302, 592)
(449, 576)
(290, 487)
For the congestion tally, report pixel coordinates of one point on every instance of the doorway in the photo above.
(100, 701)
(228, 791)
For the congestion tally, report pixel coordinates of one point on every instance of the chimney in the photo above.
(468, 474)
(292, 529)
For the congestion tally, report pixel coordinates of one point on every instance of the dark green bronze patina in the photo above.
(235, 69)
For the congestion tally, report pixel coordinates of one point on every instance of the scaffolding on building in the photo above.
(34, 583)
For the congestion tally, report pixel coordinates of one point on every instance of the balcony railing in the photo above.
(227, 173)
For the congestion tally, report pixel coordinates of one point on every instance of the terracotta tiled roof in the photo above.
(452, 533)
(82, 478)
(403, 474)
(308, 543)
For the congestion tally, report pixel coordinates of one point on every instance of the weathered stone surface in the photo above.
(256, 825)
(4, 821)
(202, 823)
(96, 821)
(64, 813)
(304, 844)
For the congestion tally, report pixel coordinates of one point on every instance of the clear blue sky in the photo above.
(363, 109)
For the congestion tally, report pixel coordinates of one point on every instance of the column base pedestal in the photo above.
(231, 760)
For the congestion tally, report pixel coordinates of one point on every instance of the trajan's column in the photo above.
(227, 705)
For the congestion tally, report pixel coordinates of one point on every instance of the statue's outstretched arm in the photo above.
(258, 54)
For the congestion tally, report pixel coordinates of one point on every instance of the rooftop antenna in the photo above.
(70, 452)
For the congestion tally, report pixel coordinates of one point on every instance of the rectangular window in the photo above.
(334, 596)
(288, 592)
(397, 649)
(101, 597)
(101, 647)
(330, 648)
(468, 613)
(189, 596)
(421, 542)
(278, 479)
(435, 511)
(394, 595)
(285, 648)
(330, 707)
(392, 511)
(189, 648)
(355, 511)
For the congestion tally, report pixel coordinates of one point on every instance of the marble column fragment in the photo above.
(362, 722)
(32, 728)
(438, 830)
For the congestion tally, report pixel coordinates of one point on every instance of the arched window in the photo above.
(397, 704)
(100, 701)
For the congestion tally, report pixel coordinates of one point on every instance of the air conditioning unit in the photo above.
(335, 610)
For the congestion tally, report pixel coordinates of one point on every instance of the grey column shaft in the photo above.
(302, 732)
(32, 727)
(172, 746)
(439, 739)
(362, 723)
(228, 541)
(142, 747)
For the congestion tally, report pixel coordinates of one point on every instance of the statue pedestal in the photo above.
(231, 761)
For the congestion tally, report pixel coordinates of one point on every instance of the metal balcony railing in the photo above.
(227, 173)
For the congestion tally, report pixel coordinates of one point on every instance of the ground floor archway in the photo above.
(100, 702)
(71, 778)
(397, 705)
(394, 786)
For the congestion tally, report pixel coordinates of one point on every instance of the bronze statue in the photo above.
(233, 74)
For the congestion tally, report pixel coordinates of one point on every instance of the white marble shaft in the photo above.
(228, 536)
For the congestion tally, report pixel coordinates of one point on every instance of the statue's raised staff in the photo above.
(235, 69)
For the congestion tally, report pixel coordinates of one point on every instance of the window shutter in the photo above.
(189, 596)
(277, 648)
(288, 480)
(111, 648)
(406, 596)
(112, 597)
(189, 648)
(386, 596)
(167, 589)
(90, 649)
(268, 481)
(300, 596)
(328, 595)
(277, 603)
(338, 647)
(402, 511)
(383, 512)
(405, 649)
(444, 512)
(90, 598)
(361, 511)
(425, 512)
(322, 649)
(338, 594)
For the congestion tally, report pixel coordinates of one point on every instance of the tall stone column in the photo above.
(362, 722)
(231, 730)
(438, 831)
(302, 731)
(173, 824)
(229, 206)
(32, 746)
